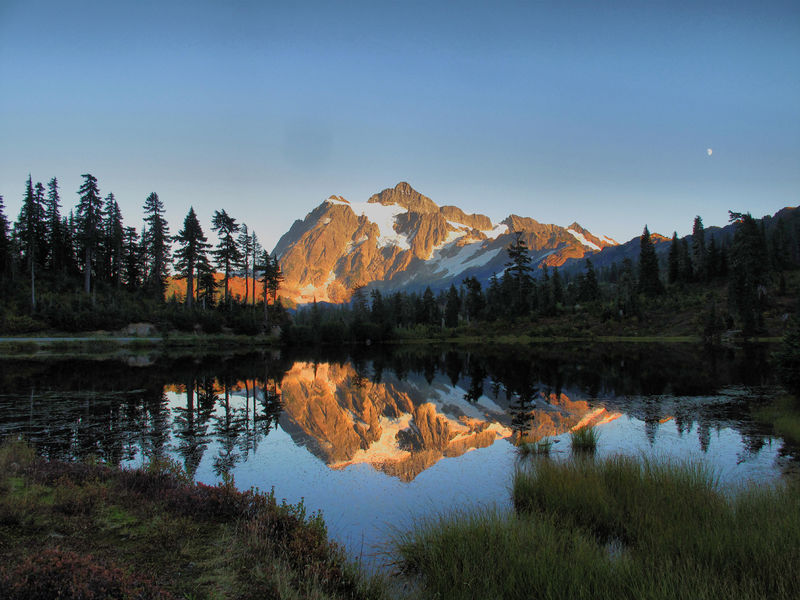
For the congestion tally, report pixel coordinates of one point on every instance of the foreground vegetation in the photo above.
(76, 530)
(620, 528)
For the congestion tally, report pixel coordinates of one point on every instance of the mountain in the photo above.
(400, 238)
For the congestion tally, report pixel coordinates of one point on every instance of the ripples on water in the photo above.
(376, 441)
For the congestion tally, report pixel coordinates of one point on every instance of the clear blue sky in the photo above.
(590, 111)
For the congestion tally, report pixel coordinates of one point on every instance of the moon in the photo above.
(709, 151)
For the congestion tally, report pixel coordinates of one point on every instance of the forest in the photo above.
(87, 270)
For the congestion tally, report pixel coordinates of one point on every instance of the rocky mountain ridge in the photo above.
(400, 238)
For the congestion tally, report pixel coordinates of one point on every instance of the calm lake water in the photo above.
(377, 438)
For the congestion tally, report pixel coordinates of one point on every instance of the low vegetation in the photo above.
(76, 530)
(620, 528)
(585, 439)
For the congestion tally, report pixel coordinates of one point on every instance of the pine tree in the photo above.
(686, 271)
(227, 253)
(114, 234)
(519, 267)
(748, 276)
(589, 290)
(5, 243)
(649, 282)
(156, 243)
(255, 250)
(89, 221)
(55, 234)
(245, 248)
(699, 250)
(193, 248)
(132, 267)
(452, 307)
(557, 289)
(474, 301)
(674, 260)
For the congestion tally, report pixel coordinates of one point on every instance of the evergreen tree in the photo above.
(55, 233)
(255, 250)
(114, 238)
(589, 290)
(227, 253)
(206, 284)
(712, 268)
(5, 243)
(245, 248)
(686, 271)
(89, 221)
(748, 276)
(131, 265)
(452, 307)
(193, 249)
(674, 260)
(699, 250)
(649, 282)
(430, 311)
(30, 227)
(519, 268)
(557, 289)
(474, 301)
(156, 244)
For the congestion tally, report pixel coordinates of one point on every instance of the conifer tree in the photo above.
(589, 290)
(519, 267)
(557, 288)
(747, 259)
(55, 233)
(227, 253)
(699, 250)
(649, 282)
(156, 244)
(193, 249)
(132, 267)
(89, 222)
(5, 243)
(245, 243)
(674, 260)
(255, 250)
(474, 301)
(452, 307)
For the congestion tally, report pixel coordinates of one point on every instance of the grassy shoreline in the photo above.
(75, 530)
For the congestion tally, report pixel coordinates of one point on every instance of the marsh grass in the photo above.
(539, 448)
(619, 528)
(585, 439)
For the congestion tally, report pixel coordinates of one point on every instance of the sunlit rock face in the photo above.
(402, 427)
(400, 238)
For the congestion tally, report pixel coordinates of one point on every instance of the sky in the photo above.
(596, 112)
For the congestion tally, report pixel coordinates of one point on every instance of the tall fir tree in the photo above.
(227, 253)
(519, 268)
(132, 267)
(649, 281)
(114, 240)
(89, 225)
(699, 250)
(55, 234)
(748, 257)
(5, 243)
(452, 307)
(245, 248)
(156, 243)
(193, 249)
(674, 260)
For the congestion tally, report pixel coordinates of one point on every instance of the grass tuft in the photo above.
(585, 439)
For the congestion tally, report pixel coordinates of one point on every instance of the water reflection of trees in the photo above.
(73, 409)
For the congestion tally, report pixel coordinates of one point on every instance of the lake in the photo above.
(375, 437)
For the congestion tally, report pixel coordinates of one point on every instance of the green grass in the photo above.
(540, 448)
(783, 415)
(585, 439)
(620, 528)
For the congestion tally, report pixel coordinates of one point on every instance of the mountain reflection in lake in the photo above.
(374, 441)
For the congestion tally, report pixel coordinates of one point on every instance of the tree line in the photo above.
(47, 258)
(749, 263)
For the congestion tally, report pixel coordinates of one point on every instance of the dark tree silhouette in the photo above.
(156, 243)
(227, 253)
(89, 217)
(193, 249)
(649, 282)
